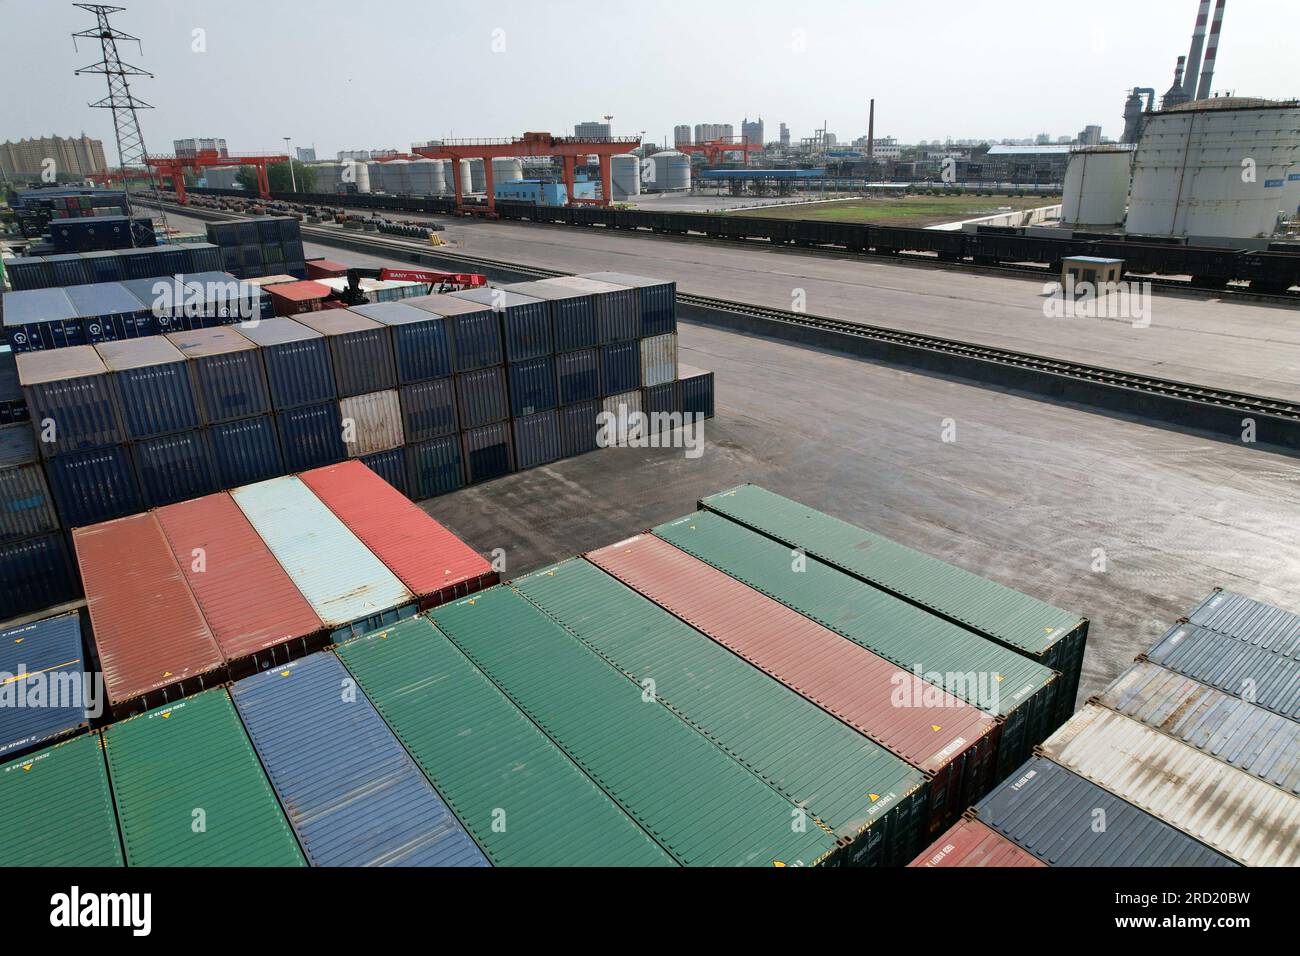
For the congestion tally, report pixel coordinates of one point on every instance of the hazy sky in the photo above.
(371, 73)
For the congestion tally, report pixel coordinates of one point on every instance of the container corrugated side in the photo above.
(36, 658)
(618, 308)
(532, 386)
(1046, 634)
(311, 436)
(643, 754)
(1065, 820)
(1230, 811)
(421, 340)
(953, 744)
(174, 467)
(659, 360)
(578, 428)
(371, 423)
(257, 615)
(481, 397)
(1256, 674)
(228, 374)
(58, 809)
(482, 753)
(391, 466)
(345, 583)
(870, 799)
(525, 327)
(620, 419)
(573, 313)
(429, 410)
(433, 563)
(245, 451)
(578, 375)
(26, 505)
(986, 675)
(536, 439)
(695, 391)
(476, 339)
(1250, 738)
(658, 300)
(1256, 623)
(94, 486)
(361, 350)
(70, 389)
(171, 764)
(152, 386)
(297, 363)
(38, 573)
(488, 452)
(353, 795)
(971, 844)
(620, 368)
(434, 467)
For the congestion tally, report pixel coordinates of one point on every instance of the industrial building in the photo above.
(192, 147)
(73, 157)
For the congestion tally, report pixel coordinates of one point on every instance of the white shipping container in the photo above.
(659, 359)
(372, 423)
(1231, 811)
(622, 412)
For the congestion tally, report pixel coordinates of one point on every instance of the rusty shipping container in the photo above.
(971, 844)
(371, 423)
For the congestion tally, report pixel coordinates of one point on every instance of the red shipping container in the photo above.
(154, 645)
(434, 564)
(258, 616)
(971, 843)
(325, 269)
(952, 742)
(295, 298)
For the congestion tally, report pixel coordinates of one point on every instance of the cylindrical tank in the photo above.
(672, 172)
(1215, 168)
(426, 177)
(397, 177)
(375, 172)
(478, 180)
(1096, 186)
(328, 176)
(625, 176)
(357, 174)
(507, 169)
(466, 178)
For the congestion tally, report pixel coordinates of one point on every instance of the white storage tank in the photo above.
(397, 177)
(426, 177)
(625, 176)
(672, 172)
(506, 170)
(466, 178)
(375, 172)
(1096, 186)
(355, 173)
(442, 178)
(328, 176)
(1191, 176)
(477, 178)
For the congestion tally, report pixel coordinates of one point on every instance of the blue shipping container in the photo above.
(475, 334)
(227, 372)
(658, 300)
(246, 451)
(579, 428)
(69, 269)
(695, 391)
(41, 319)
(574, 324)
(391, 466)
(537, 439)
(50, 651)
(434, 467)
(38, 573)
(311, 437)
(532, 386)
(481, 397)
(27, 272)
(421, 340)
(578, 374)
(297, 362)
(488, 452)
(152, 385)
(108, 311)
(70, 400)
(26, 506)
(105, 265)
(428, 410)
(620, 367)
(1234, 666)
(174, 468)
(361, 350)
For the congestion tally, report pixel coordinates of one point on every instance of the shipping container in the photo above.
(659, 360)
(1045, 634)
(1065, 820)
(620, 366)
(536, 439)
(659, 402)
(620, 420)
(434, 564)
(434, 467)
(152, 641)
(67, 269)
(1255, 674)
(349, 588)
(201, 257)
(532, 386)
(26, 506)
(1229, 811)
(70, 399)
(971, 844)
(108, 311)
(482, 753)
(47, 683)
(573, 313)
(578, 428)
(354, 797)
(952, 744)
(475, 329)
(93, 486)
(227, 371)
(525, 321)
(487, 452)
(325, 269)
(297, 362)
(361, 351)
(174, 468)
(618, 308)
(39, 319)
(695, 391)
(245, 451)
(152, 385)
(106, 265)
(292, 298)
(58, 808)
(38, 573)
(311, 437)
(371, 423)
(255, 612)
(481, 397)
(990, 677)
(391, 466)
(578, 374)
(873, 802)
(167, 762)
(1256, 623)
(657, 299)
(1250, 738)
(421, 340)
(643, 754)
(428, 410)
(28, 272)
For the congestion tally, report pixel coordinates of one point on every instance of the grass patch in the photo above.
(902, 210)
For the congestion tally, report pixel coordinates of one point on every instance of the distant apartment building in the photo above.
(682, 135)
(345, 154)
(751, 131)
(707, 131)
(785, 136)
(592, 130)
(1090, 136)
(74, 157)
(192, 147)
(306, 154)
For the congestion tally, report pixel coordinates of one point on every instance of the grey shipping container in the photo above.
(574, 324)
(1065, 820)
(618, 308)
(371, 423)
(70, 399)
(475, 329)
(578, 376)
(227, 373)
(421, 340)
(93, 486)
(620, 366)
(659, 402)
(390, 465)
(174, 468)
(1256, 623)
(297, 362)
(245, 451)
(695, 391)
(1235, 667)
(481, 397)
(311, 437)
(152, 385)
(537, 439)
(68, 269)
(532, 386)
(487, 452)
(39, 319)
(434, 467)
(27, 272)
(38, 573)
(578, 428)
(106, 265)
(361, 350)
(201, 256)
(108, 311)
(658, 300)
(659, 360)
(428, 410)
(26, 506)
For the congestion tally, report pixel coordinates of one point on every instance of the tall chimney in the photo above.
(1211, 51)
(1178, 71)
(1198, 46)
(871, 133)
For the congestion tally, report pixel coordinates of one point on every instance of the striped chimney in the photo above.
(1211, 51)
(1198, 46)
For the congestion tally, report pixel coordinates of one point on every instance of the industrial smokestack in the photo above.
(871, 132)
(1198, 46)
(1211, 51)
(1178, 71)
(1176, 96)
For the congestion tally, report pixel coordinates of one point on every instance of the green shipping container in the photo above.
(57, 810)
(992, 678)
(1046, 634)
(703, 807)
(863, 793)
(191, 792)
(519, 795)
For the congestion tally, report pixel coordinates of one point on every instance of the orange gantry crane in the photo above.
(568, 148)
(173, 168)
(713, 150)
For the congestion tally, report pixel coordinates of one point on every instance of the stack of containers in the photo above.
(43, 272)
(46, 650)
(94, 233)
(13, 408)
(34, 560)
(260, 246)
(295, 298)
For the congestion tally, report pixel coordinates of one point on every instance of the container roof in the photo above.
(204, 342)
(36, 368)
(278, 330)
(137, 353)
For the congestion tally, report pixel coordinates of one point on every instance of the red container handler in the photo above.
(257, 615)
(953, 743)
(325, 269)
(971, 843)
(152, 641)
(434, 564)
(295, 298)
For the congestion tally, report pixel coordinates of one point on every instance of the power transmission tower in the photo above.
(131, 151)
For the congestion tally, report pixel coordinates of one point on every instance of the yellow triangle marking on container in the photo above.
(1048, 630)
(936, 728)
(27, 766)
(167, 673)
(166, 714)
(777, 863)
(20, 640)
(873, 797)
(998, 678)
(286, 673)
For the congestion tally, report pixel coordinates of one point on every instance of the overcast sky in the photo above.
(373, 73)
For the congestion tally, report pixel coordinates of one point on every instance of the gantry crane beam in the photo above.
(173, 168)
